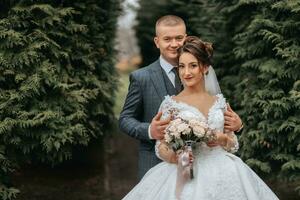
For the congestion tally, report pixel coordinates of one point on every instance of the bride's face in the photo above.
(191, 72)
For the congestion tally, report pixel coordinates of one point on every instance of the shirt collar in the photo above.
(165, 64)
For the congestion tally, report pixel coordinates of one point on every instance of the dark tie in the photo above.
(178, 85)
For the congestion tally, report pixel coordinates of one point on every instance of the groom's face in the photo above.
(168, 39)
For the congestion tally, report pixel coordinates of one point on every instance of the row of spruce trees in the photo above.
(257, 59)
(57, 79)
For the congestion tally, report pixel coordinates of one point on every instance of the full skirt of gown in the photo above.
(218, 175)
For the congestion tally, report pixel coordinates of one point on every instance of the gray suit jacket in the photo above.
(146, 91)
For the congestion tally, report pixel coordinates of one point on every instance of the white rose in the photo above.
(176, 121)
(199, 131)
(194, 122)
(176, 134)
(203, 124)
(181, 127)
(172, 128)
(168, 139)
(186, 131)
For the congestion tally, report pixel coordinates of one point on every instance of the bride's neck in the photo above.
(194, 90)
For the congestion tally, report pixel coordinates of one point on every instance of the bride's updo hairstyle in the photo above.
(203, 51)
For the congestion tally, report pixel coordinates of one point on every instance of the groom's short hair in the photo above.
(169, 20)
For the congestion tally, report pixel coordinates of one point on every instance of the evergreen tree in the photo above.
(57, 76)
(7, 166)
(270, 94)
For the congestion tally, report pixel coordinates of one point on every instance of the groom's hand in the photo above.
(157, 126)
(232, 121)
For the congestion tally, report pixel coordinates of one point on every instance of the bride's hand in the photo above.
(212, 143)
(165, 153)
(222, 139)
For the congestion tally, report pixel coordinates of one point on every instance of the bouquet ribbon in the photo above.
(184, 171)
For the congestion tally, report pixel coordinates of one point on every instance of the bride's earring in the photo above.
(207, 71)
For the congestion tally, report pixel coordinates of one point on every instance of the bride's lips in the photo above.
(188, 78)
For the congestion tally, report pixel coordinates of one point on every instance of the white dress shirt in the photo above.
(167, 67)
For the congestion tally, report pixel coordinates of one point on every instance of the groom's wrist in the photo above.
(241, 128)
(149, 132)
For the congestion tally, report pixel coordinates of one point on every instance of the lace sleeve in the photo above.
(232, 145)
(164, 152)
(167, 108)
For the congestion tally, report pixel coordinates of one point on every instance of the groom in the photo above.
(147, 89)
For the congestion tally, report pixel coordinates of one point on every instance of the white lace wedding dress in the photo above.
(218, 174)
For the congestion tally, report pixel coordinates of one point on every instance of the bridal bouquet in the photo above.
(180, 132)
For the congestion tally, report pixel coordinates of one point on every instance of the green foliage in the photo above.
(7, 166)
(57, 77)
(269, 88)
(8, 193)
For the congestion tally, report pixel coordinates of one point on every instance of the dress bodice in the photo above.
(215, 118)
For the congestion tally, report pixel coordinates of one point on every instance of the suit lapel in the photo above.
(158, 80)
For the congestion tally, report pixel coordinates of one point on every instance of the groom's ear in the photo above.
(156, 41)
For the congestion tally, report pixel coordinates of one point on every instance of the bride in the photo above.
(218, 174)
